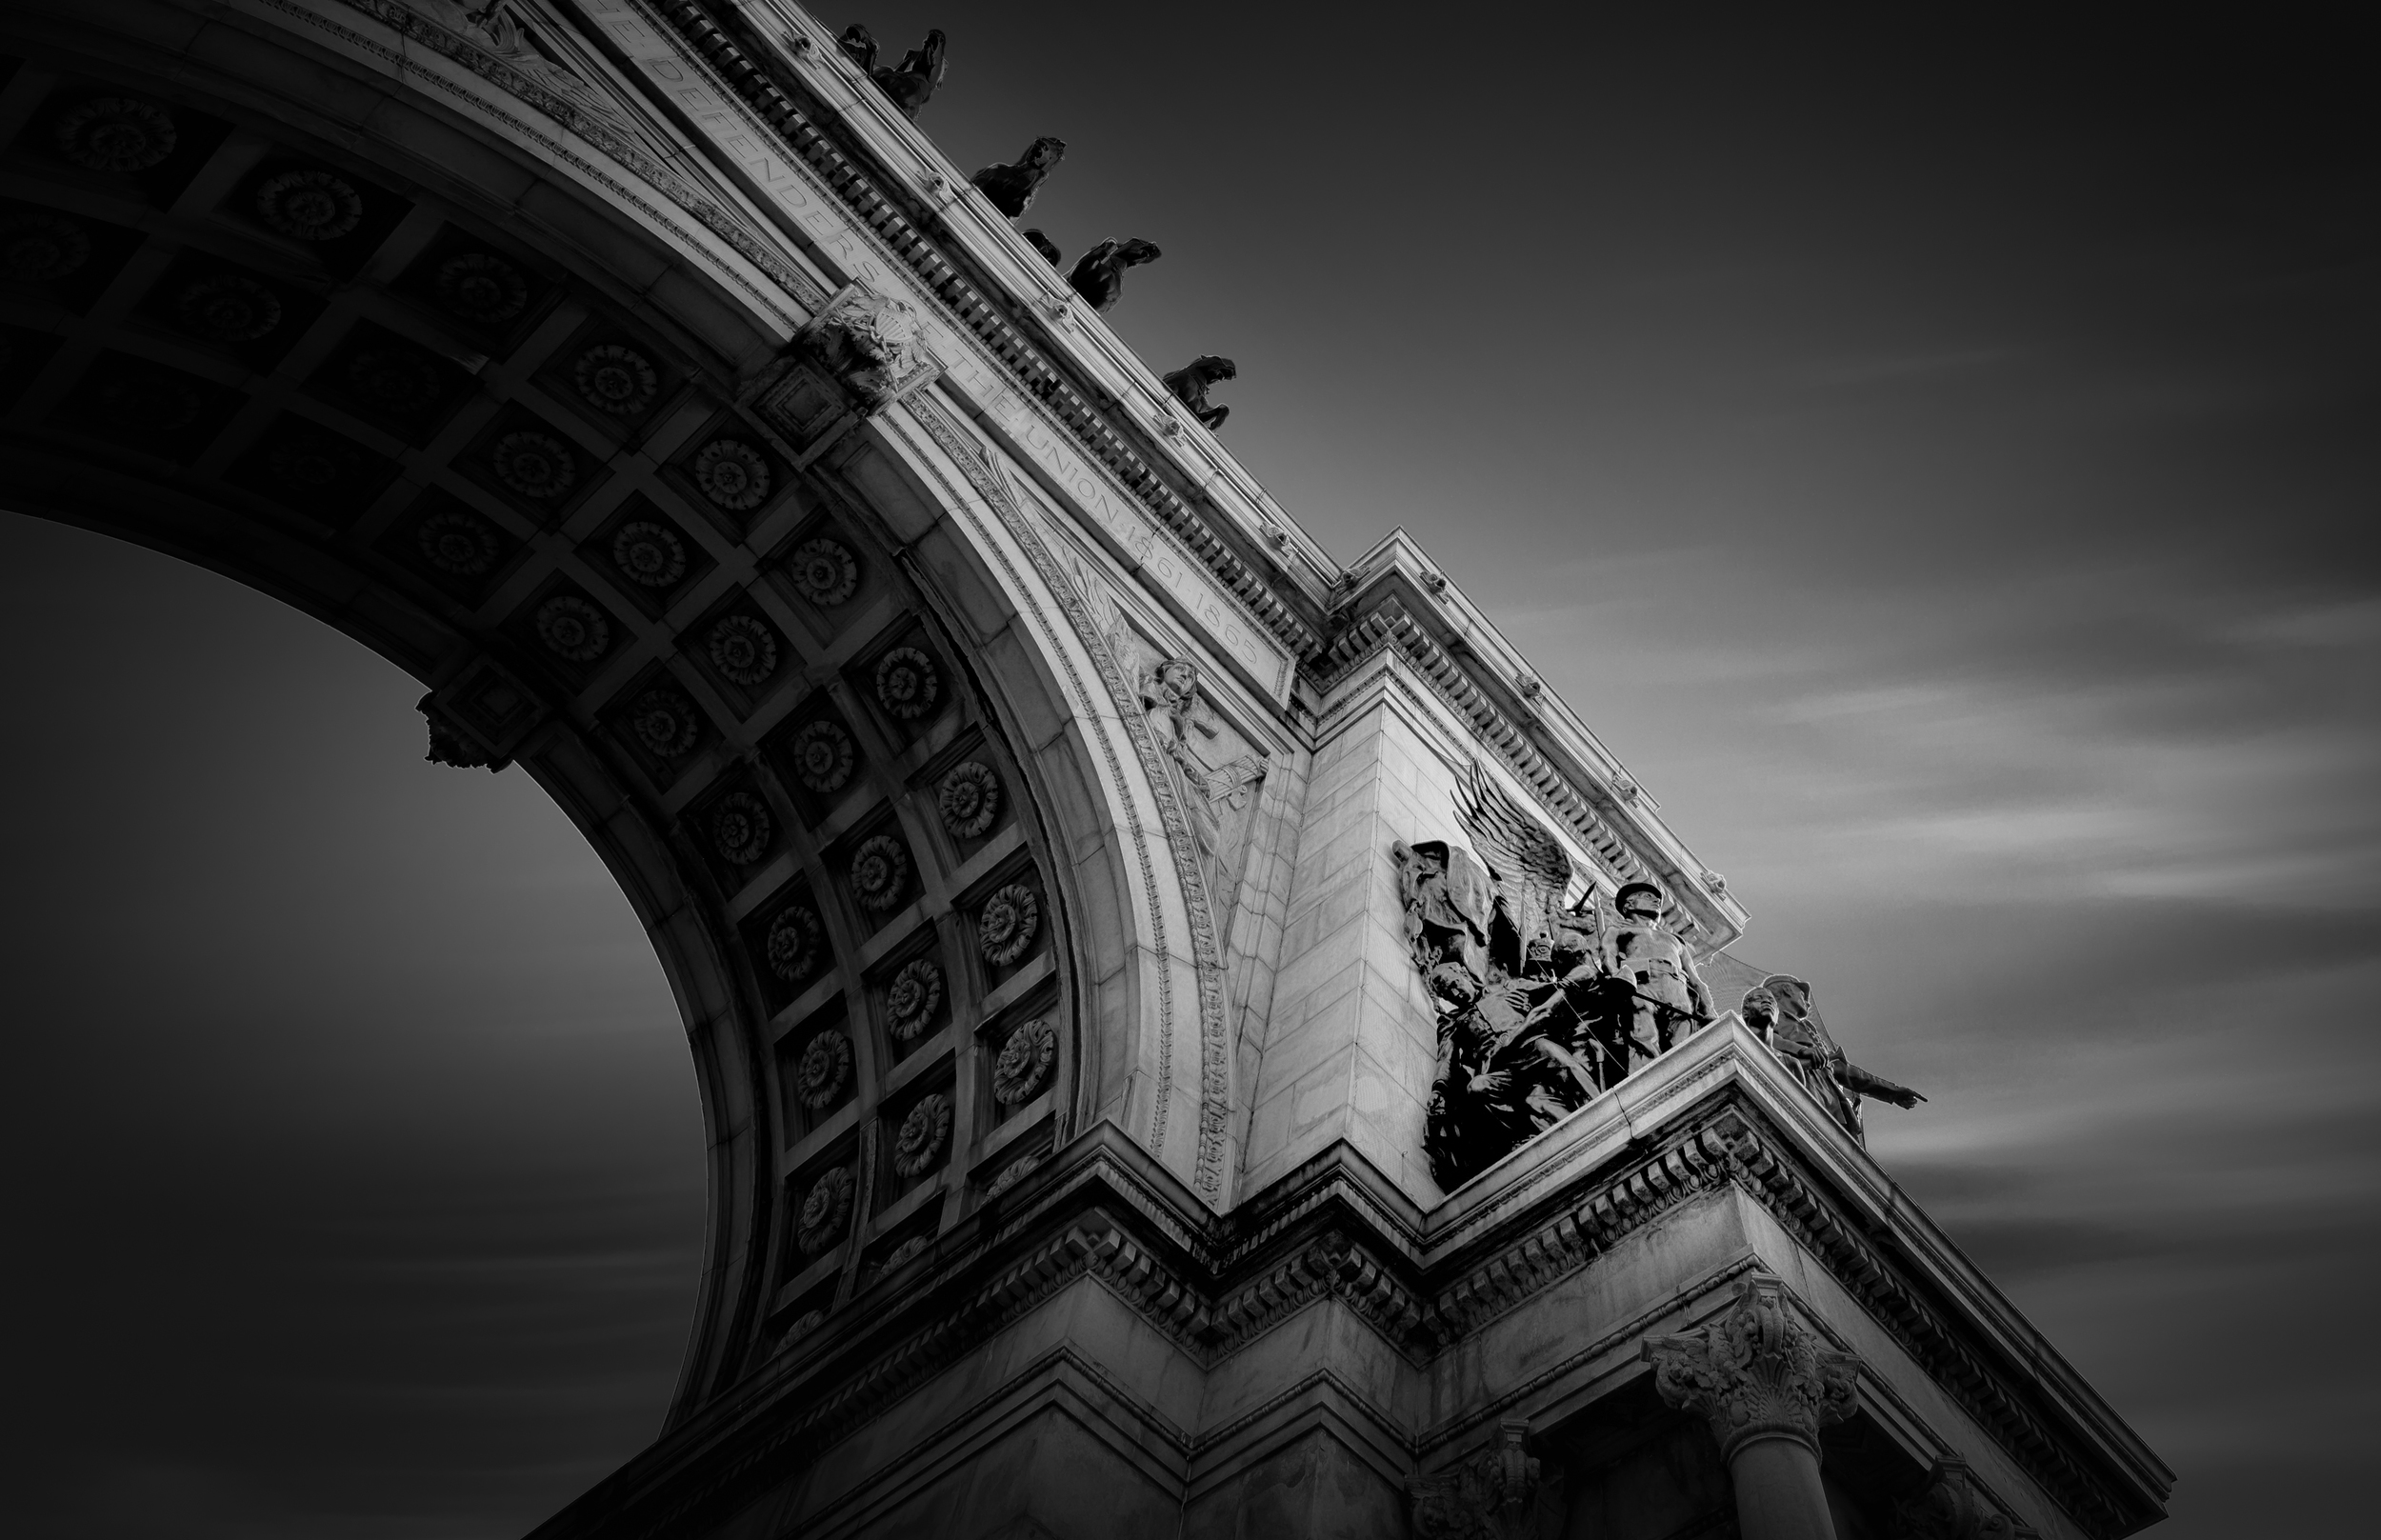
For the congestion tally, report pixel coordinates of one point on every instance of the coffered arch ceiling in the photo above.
(497, 428)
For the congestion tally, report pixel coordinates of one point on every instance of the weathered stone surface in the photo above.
(1203, 1279)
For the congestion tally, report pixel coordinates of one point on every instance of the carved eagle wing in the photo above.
(1532, 870)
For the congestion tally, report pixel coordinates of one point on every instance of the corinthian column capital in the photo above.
(1490, 1496)
(1755, 1373)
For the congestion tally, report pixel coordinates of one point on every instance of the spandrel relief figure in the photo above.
(1666, 999)
(1219, 770)
(1780, 1010)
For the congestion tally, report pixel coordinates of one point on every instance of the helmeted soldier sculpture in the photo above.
(1780, 1011)
(1525, 1033)
(1666, 998)
(1545, 1004)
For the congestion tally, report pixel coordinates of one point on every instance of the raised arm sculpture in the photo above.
(1779, 1009)
(1099, 273)
(911, 85)
(1190, 384)
(1012, 187)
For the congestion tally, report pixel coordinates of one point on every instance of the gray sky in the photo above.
(1937, 453)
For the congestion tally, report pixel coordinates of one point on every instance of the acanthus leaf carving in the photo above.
(1756, 1372)
(1952, 1506)
(1490, 1496)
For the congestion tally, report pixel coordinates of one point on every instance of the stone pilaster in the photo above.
(1766, 1387)
(1490, 1496)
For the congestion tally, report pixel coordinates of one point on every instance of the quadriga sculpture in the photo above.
(912, 83)
(1011, 187)
(1099, 273)
(1190, 384)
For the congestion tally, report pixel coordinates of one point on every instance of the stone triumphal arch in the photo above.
(1193, 1038)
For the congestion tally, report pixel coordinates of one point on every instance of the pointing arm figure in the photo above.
(1779, 1009)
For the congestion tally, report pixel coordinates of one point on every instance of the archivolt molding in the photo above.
(1207, 951)
(763, 93)
(421, 21)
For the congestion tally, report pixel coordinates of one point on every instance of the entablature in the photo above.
(1395, 600)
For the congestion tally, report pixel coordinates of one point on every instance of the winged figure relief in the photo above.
(1532, 872)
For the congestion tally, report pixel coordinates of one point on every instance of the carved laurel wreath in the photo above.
(910, 1004)
(1006, 926)
(615, 379)
(804, 1324)
(826, 1208)
(732, 474)
(535, 465)
(457, 543)
(880, 870)
(824, 1070)
(1024, 1062)
(914, 1245)
(307, 466)
(740, 827)
(823, 755)
(141, 395)
(228, 309)
(115, 133)
(399, 382)
(907, 683)
(664, 722)
(37, 247)
(968, 799)
(744, 649)
(824, 573)
(478, 286)
(794, 941)
(574, 629)
(924, 1134)
(1011, 1174)
(648, 554)
(309, 206)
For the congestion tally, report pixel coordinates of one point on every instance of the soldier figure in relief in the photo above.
(1667, 996)
(1780, 1011)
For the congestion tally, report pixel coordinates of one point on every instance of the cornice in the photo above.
(1579, 803)
(1213, 1285)
(758, 75)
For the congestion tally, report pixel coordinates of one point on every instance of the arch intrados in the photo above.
(188, 514)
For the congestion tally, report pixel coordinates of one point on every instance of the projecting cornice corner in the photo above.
(1394, 600)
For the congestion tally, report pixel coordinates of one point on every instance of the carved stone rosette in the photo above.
(1490, 1496)
(1755, 1373)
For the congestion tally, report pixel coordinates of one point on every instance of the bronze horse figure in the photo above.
(1099, 273)
(911, 85)
(1190, 384)
(1012, 187)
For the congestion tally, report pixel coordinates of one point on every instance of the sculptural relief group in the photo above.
(1545, 1001)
